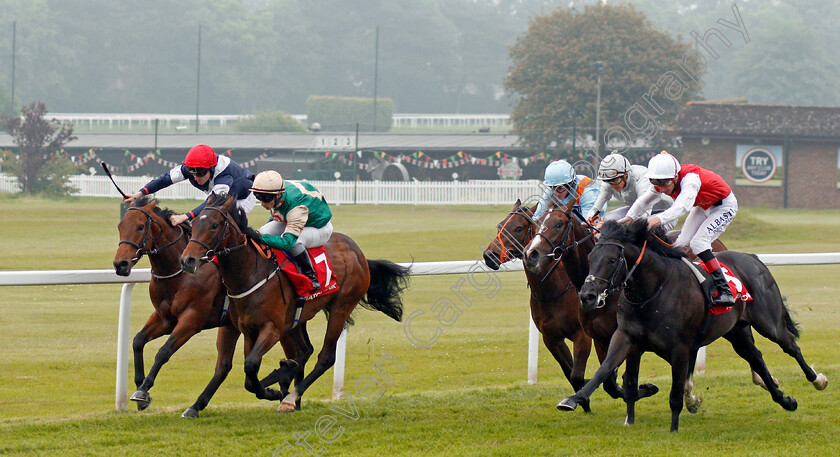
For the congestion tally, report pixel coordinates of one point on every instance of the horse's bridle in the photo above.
(147, 234)
(565, 235)
(211, 251)
(611, 285)
(503, 257)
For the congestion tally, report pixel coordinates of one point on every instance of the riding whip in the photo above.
(108, 172)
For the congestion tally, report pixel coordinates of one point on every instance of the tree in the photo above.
(552, 73)
(38, 167)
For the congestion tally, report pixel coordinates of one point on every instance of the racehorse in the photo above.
(663, 310)
(570, 248)
(555, 306)
(184, 304)
(563, 238)
(263, 298)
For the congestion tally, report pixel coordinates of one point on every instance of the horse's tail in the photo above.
(387, 282)
(791, 325)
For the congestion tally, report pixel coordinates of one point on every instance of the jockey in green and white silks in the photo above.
(626, 183)
(300, 218)
(563, 185)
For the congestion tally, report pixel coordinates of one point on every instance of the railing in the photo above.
(476, 192)
(147, 120)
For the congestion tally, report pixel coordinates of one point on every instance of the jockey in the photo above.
(209, 173)
(625, 183)
(300, 218)
(706, 198)
(563, 185)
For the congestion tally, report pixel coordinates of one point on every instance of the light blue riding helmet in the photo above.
(559, 173)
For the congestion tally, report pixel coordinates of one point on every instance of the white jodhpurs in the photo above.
(621, 213)
(310, 237)
(702, 226)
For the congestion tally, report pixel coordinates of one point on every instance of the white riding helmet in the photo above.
(269, 182)
(559, 173)
(663, 166)
(613, 166)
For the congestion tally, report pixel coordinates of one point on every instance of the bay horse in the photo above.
(555, 306)
(263, 299)
(184, 304)
(663, 309)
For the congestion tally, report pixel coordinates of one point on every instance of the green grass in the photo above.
(465, 395)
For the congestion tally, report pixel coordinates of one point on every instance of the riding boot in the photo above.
(305, 264)
(724, 295)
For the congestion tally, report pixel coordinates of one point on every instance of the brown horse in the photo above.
(555, 306)
(184, 304)
(263, 304)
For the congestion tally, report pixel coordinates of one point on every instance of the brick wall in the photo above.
(812, 173)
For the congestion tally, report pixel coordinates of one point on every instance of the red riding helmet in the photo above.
(201, 156)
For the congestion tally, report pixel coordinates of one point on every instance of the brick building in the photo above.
(774, 156)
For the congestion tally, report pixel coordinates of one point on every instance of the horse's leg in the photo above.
(692, 402)
(781, 334)
(155, 327)
(556, 345)
(742, 341)
(619, 347)
(631, 384)
(288, 366)
(679, 372)
(611, 386)
(225, 345)
(255, 350)
(326, 358)
(189, 323)
(582, 348)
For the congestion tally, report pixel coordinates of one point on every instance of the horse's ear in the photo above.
(517, 204)
(211, 199)
(229, 201)
(151, 205)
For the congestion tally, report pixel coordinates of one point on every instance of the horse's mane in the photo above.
(637, 233)
(162, 212)
(238, 215)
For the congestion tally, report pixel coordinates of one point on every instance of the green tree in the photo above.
(37, 165)
(552, 74)
(275, 121)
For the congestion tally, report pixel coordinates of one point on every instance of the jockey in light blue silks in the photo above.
(563, 185)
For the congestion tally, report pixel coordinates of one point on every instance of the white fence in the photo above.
(56, 277)
(477, 192)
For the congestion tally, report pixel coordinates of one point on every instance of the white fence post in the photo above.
(533, 350)
(122, 346)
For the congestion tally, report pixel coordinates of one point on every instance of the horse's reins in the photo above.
(566, 234)
(611, 287)
(147, 233)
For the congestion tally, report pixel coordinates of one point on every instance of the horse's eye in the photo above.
(214, 226)
(140, 227)
(518, 229)
(559, 225)
(612, 260)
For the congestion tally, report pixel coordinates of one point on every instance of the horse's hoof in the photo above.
(142, 398)
(821, 382)
(693, 405)
(760, 382)
(567, 404)
(286, 407)
(789, 403)
(647, 390)
(190, 413)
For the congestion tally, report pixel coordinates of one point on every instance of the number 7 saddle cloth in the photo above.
(322, 267)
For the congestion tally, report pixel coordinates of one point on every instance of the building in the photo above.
(774, 156)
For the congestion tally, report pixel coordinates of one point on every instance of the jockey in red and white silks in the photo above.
(708, 200)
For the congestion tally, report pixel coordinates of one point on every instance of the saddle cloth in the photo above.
(322, 267)
(739, 291)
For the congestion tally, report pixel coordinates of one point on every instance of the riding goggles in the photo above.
(660, 182)
(199, 172)
(608, 175)
(613, 180)
(265, 197)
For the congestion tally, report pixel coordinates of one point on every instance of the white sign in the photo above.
(335, 142)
